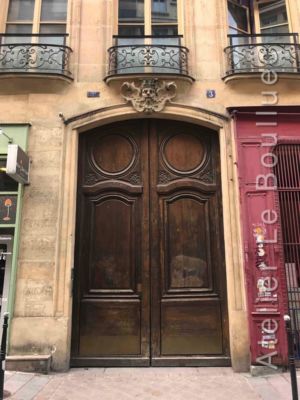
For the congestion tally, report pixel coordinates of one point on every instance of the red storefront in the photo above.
(268, 162)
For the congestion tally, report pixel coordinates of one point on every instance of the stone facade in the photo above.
(58, 110)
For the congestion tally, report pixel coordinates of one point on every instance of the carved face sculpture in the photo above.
(148, 92)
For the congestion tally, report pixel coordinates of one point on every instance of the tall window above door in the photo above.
(147, 17)
(148, 42)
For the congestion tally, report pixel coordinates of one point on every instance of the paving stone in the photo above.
(150, 384)
(281, 385)
(28, 392)
(17, 381)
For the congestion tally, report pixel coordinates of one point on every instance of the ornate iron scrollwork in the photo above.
(135, 59)
(257, 57)
(34, 58)
(148, 95)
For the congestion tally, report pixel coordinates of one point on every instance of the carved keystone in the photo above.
(148, 95)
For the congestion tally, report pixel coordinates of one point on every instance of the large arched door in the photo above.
(150, 282)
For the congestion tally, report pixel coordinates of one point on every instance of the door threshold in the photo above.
(99, 362)
(191, 362)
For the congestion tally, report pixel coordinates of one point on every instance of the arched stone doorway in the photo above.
(150, 280)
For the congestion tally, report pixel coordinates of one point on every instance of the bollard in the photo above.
(292, 364)
(3, 355)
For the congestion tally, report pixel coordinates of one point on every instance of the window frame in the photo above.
(256, 12)
(239, 31)
(148, 18)
(36, 21)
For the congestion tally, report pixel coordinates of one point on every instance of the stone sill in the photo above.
(29, 363)
(257, 75)
(48, 75)
(140, 76)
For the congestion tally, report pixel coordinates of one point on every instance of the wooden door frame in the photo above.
(148, 136)
(237, 310)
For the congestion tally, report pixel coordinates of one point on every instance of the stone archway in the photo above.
(239, 340)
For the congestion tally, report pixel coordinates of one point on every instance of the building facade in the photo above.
(159, 223)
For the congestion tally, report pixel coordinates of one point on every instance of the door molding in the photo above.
(239, 337)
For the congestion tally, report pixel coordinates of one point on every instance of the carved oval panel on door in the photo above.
(114, 154)
(183, 153)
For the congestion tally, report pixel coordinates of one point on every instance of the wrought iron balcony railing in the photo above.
(256, 53)
(34, 54)
(148, 55)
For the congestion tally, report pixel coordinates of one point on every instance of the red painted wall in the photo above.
(263, 253)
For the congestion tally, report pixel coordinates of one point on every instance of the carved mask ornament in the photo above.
(148, 95)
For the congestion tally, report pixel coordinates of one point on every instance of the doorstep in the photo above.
(29, 363)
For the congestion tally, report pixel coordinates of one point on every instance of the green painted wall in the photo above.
(19, 134)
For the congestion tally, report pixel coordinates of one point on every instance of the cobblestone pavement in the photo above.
(147, 384)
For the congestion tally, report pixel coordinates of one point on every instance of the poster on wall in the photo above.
(8, 209)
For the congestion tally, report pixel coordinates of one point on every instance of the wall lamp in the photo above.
(10, 140)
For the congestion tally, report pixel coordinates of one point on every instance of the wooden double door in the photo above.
(150, 283)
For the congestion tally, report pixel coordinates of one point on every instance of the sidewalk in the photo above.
(147, 384)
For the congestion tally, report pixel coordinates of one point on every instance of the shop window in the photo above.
(7, 184)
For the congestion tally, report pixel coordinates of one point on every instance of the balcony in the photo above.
(254, 54)
(35, 54)
(148, 56)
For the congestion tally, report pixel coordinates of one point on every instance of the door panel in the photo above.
(115, 326)
(188, 309)
(186, 263)
(114, 255)
(111, 313)
(191, 327)
(149, 217)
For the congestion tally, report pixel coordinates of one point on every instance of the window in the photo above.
(238, 18)
(148, 40)
(35, 37)
(255, 24)
(238, 21)
(258, 16)
(147, 17)
(39, 16)
(7, 184)
(273, 19)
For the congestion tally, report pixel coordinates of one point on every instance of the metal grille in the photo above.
(287, 171)
(256, 53)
